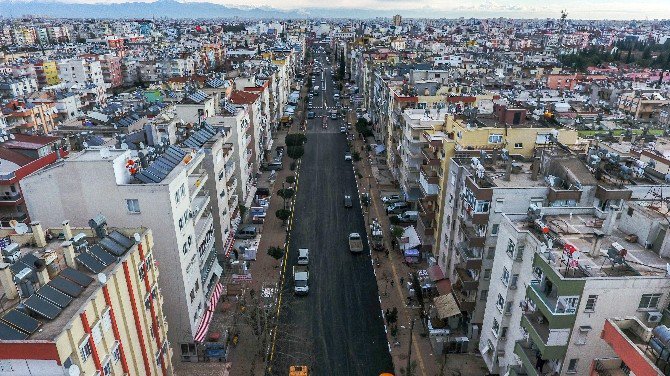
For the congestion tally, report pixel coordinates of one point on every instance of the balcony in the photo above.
(470, 258)
(427, 208)
(466, 302)
(429, 182)
(196, 182)
(202, 227)
(231, 185)
(229, 170)
(475, 237)
(553, 307)
(10, 198)
(636, 346)
(430, 157)
(609, 367)
(467, 278)
(199, 206)
(528, 358)
(552, 343)
(233, 202)
(426, 230)
(227, 151)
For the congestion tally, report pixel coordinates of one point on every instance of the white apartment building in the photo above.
(168, 194)
(81, 72)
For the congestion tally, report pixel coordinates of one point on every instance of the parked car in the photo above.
(408, 216)
(347, 201)
(347, 156)
(311, 115)
(390, 199)
(343, 129)
(397, 207)
(246, 232)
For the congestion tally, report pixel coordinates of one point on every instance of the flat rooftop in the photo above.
(53, 257)
(579, 230)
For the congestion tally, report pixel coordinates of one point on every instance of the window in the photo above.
(591, 303)
(499, 205)
(487, 274)
(491, 252)
(505, 276)
(649, 301)
(500, 303)
(495, 138)
(133, 205)
(141, 271)
(483, 295)
(107, 367)
(512, 283)
(85, 350)
(116, 353)
(495, 328)
(192, 295)
(503, 332)
(508, 307)
(543, 138)
(572, 366)
(518, 145)
(188, 349)
(482, 206)
(582, 335)
(510, 248)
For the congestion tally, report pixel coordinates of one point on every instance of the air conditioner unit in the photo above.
(654, 316)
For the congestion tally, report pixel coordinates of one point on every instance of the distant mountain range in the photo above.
(175, 9)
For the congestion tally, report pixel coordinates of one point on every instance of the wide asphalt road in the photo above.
(337, 329)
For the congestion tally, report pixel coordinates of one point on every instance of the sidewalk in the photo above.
(388, 271)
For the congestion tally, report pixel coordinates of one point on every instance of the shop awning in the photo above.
(412, 252)
(446, 306)
(209, 313)
(435, 273)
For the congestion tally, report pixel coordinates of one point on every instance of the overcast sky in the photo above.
(581, 9)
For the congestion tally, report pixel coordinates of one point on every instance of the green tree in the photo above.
(295, 139)
(342, 67)
(290, 179)
(296, 152)
(286, 193)
(283, 214)
(276, 252)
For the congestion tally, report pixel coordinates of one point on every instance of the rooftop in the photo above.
(573, 231)
(52, 306)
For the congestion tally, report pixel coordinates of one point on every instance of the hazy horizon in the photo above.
(590, 10)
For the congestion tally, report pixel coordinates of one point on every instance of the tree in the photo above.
(290, 179)
(295, 139)
(342, 66)
(296, 152)
(397, 232)
(276, 252)
(283, 214)
(286, 193)
(243, 210)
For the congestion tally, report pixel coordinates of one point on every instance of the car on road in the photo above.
(301, 279)
(347, 156)
(343, 129)
(310, 95)
(303, 256)
(390, 199)
(397, 207)
(348, 203)
(311, 115)
(355, 242)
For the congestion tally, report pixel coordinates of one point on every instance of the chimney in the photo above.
(610, 221)
(7, 282)
(534, 169)
(38, 234)
(595, 251)
(508, 168)
(68, 252)
(67, 230)
(43, 275)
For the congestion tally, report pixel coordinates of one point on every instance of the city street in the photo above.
(337, 329)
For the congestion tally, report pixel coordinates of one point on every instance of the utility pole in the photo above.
(409, 350)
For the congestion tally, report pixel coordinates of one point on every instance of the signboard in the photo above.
(241, 277)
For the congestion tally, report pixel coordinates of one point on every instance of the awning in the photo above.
(209, 313)
(435, 273)
(379, 149)
(204, 326)
(446, 306)
(443, 287)
(412, 252)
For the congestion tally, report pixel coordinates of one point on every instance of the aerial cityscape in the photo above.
(375, 188)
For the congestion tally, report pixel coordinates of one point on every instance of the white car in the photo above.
(347, 156)
(303, 256)
(391, 199)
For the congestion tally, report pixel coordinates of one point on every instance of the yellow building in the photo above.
(90, 306)
(482, 133)
(47, 73)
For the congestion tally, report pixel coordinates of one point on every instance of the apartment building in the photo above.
(81, 72)
(29, 118)
(19, 87)
(20, 156)
(47, 73)
(88, 305)
(252, 103)
(164, 190)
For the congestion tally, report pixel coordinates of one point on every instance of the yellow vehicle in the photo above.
(298, 371)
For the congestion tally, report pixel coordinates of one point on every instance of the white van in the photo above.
(303, 256)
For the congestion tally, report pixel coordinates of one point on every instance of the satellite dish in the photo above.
(137, 237)
(74, 370)
(21, 228)
(102, 278)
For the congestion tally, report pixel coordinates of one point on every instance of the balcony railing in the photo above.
(10, 197)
